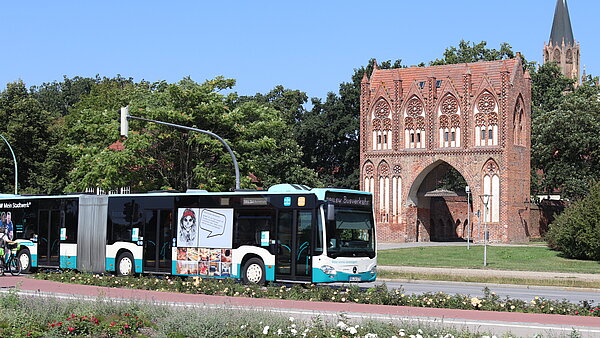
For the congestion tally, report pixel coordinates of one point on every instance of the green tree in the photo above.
(289, 102)
(468, 51)
(549, 87)
(566, 143)
(160, 157)
(28, 128)
(59, 97)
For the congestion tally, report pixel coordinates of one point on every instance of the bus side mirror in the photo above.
(330, 212)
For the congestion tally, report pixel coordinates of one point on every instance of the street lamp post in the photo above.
(125, 127)
(14, 160)
(468, 191)
(485, 198)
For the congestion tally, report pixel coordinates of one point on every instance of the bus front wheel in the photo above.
(125, 264)
(253, 272)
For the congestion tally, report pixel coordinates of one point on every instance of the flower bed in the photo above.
(353, 294)
(24, 316)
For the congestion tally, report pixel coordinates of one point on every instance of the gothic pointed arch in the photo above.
(383, 193)
(396, 193)
(381, 124)
(486, 114)
(414, 119)
(556, 56)
(368, 177)
(519, 123)
(491, 187)
(448, 113)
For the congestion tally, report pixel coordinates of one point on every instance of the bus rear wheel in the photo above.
(24, 257)
(125, 264)
(253, 271)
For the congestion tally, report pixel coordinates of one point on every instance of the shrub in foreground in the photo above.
(576, 232)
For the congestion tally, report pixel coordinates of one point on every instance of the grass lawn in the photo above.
(524, 258)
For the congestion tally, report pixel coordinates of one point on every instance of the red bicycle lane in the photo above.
(50, 287)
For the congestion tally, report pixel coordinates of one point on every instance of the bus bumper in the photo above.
(319, 276)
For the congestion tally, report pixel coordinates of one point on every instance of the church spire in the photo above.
(561, 26)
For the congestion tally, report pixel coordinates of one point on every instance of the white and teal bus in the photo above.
(288, 233)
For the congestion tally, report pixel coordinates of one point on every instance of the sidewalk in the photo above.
(584, 277)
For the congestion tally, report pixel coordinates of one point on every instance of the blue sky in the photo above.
(308, 45)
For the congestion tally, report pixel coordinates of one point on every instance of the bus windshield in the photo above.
(351, 234)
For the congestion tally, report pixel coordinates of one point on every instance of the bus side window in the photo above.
(318, 247)
(248, 226)
(121, 229)
(29, 225)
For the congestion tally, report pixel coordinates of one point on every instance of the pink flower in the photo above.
(71, 329)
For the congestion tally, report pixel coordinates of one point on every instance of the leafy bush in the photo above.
(576, 232)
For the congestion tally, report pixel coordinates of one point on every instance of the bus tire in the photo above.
(125, 264)
(24, 257)
(254, 272)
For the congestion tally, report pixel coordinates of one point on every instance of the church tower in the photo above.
(562, 47)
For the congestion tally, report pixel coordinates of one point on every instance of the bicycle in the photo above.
(10, 263)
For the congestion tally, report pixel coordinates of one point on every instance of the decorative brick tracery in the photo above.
(419, 105)
(382, 125)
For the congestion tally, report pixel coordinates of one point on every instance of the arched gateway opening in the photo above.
(438, 193)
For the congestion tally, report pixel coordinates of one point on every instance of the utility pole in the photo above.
(468, 191)
(125, 129)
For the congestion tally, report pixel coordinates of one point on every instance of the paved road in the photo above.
(520, 324)
(526, 293)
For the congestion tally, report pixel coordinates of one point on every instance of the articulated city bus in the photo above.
(288, 233)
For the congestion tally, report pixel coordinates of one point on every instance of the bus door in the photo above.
(158, 240)
(293, 259)
(48, 238)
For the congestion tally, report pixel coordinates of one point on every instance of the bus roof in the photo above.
(276, 189)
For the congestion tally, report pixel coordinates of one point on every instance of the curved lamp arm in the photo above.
(14, 160)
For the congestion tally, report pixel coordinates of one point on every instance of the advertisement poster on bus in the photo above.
(204, 262)
(205, 228)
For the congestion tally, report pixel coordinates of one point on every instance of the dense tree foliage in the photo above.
(160, 157)
(29, 130)
(468, 51)
(566, 143)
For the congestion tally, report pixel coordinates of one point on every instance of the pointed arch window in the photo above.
(414, 124)
(384, 192)
(382, 125)
(486, 121)
(369, 180)
(518, 123)
(556, 56)
(569, 56)
(491, 186)
(449, 122)
(397, 194)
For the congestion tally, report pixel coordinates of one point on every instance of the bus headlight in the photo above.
(328, 269)
(374, 269)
